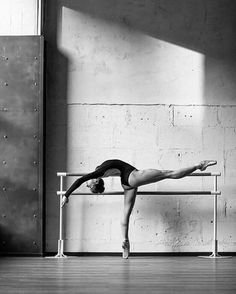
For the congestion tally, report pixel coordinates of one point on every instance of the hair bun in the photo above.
(99, 187)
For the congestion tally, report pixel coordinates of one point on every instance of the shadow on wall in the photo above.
(56, 119)
(205, 26)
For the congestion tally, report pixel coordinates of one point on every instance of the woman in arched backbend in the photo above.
(131, 179)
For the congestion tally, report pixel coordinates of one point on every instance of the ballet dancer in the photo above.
(131, 179)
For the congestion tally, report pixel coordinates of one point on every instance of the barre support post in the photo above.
(60, 253)
(215, 241)
(215, 253)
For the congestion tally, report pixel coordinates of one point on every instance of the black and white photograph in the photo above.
(117, 146)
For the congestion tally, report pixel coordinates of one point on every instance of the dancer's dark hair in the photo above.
(99, 187)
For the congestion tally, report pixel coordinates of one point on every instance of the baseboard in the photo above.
(114, 254)
(140, 253)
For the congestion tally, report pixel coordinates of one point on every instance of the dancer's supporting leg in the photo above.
(129, 200)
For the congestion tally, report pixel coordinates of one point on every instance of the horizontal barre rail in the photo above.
(149, 193)
(65, 174)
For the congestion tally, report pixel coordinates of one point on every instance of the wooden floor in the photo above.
(115, 275)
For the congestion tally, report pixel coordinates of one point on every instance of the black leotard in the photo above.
(124, 168)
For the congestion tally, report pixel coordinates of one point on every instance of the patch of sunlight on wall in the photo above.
(111, 63)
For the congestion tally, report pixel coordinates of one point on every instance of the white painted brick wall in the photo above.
(148, 136)
(153, 103)
(181, 138)
(230, 138)
(195, 116)
(227, 116)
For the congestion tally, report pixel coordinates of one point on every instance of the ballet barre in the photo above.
(215, 192)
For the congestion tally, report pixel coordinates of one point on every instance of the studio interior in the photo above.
(118, 146)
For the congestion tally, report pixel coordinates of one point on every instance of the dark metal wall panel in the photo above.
(21, 134)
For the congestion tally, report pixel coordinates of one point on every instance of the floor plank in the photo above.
(115, 275)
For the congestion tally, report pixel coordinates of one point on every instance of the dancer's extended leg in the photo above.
(147, 176)
(183, 172)
(129, 200)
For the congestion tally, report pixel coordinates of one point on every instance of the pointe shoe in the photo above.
(126, 249)
(206, 163)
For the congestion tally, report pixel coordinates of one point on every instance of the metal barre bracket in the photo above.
(61, 174)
